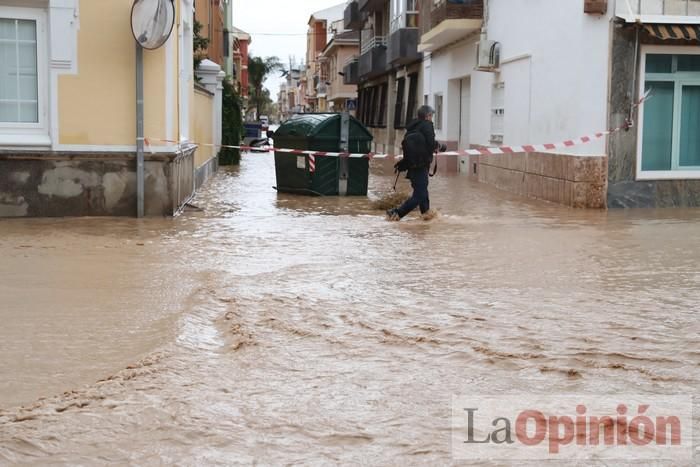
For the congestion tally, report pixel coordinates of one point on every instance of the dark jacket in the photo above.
(428, 131)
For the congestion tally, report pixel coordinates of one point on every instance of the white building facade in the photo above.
(569, 69)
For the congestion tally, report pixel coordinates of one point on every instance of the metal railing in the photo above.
(659, 7)
(350, 60)
(376, 41)
(405, 20)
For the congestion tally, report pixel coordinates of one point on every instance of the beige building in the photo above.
(68, 112)
(343, 48)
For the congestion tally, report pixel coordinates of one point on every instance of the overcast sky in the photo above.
(278, 27)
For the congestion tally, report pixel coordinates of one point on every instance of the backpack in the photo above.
(414, 151)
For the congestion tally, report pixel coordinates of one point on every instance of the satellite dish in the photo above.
(152, 22)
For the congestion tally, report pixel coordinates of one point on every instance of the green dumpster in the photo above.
(333, 175)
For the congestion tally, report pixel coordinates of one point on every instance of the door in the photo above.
(465, 86)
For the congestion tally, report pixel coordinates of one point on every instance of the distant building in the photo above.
(210, 14)
(342, 49)
(241, 44)
(322, 26)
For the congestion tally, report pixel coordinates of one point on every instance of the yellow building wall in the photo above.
(97, 106)
(203, 127)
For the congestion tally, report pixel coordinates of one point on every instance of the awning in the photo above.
(688, 32)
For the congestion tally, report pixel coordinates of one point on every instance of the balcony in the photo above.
(403, 46)
(373, 57)
(659, 11)
(351, 71)
(369, 6)
(352, 17)
(450, 20)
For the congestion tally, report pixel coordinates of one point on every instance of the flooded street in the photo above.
(278, 329)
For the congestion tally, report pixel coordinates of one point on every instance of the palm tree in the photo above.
(258, 70)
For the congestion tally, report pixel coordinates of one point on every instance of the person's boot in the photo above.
(429, 215)
(393, 215)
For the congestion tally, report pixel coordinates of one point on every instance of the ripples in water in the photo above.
(263, 327)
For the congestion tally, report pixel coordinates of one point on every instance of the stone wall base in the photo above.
(205, 171)
(575, 181)
(54, 184)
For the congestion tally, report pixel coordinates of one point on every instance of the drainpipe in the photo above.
(634, 93)
(486, 20)
(139, 133)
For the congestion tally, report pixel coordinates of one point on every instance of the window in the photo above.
(383, 97)
(670, 120)
(23, 77)
(19, 75)
(412, 97)
(398, 109)
(438, 112)
(404, 14)
(361, 106)
(372, 108)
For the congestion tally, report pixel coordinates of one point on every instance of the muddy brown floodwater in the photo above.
(278, 329)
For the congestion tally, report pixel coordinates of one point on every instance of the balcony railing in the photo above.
(449, 21)
(405, 20)
(450, 9)
(372, 42)
(403, 46)
(352, 19)
(371, 5)
(658, 8)
(351, 71)
(373, 58)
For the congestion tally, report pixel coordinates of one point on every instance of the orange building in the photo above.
(210, 14)
(322, 26)
(241, 42)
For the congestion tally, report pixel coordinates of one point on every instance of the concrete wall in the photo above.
(203, 126)
(91, 184)
(624, 189)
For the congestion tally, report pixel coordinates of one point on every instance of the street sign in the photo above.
(350, 104)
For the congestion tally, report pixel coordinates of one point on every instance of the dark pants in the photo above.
(419, 181)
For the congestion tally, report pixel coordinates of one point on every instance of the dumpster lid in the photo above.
(321, 125)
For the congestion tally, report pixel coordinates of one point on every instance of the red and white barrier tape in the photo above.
(471, 152)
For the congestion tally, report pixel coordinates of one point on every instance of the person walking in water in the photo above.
(418, 146)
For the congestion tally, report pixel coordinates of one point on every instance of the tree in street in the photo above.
(258, 70)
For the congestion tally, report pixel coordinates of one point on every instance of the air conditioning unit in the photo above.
(488, 55)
